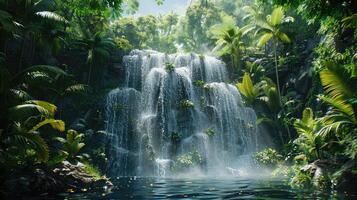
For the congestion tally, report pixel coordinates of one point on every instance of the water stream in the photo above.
(174, 105)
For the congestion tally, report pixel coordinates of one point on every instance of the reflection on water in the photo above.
(203, 188)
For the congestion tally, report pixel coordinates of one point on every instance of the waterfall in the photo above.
(172, 105)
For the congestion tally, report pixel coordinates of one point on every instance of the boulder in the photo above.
(41, 181)
(318, 171)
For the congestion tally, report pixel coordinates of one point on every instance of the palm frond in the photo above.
(19, 95)
(277, 16)
(24, 111)
(46, 105)
(56, 124)
(283, 37)
(264, 39)
(37, 78)
(51, 71)
(75, 89)
(52, 16)
(334, 81)
(341, 106)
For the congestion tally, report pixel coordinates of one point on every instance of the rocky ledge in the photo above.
(42, 181)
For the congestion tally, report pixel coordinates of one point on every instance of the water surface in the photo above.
(203, 188)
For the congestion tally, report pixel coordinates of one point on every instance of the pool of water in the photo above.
(202, 188)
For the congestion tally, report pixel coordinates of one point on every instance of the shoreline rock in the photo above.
(42, 181)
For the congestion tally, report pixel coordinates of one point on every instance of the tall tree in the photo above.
(228, 38)
(270, 27)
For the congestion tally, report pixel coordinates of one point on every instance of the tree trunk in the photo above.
(276, 69)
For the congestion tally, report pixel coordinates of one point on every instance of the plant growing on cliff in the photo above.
(199, 83)
(210, 132)
(188, 160)
(176, 137)
(186, 104)
(170, 67)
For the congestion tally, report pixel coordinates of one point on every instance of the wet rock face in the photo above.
(42, 181)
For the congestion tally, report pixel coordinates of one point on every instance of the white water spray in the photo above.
(160, 114)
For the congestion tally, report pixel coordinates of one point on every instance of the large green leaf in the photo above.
(307, 115)
(277, 16)
(56, 124)
(340, 106)
(24, 111)
(264, 39)
(283, 37)
(46, 105)
(52, 16)
(335, 80)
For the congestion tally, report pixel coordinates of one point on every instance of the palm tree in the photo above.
(228, 38)
(270, 29)
(97, 49)
(32, 21)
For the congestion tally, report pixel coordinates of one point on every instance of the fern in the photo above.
(23, 138)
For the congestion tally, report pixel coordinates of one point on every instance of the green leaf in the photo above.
(283, 37)
(277, 16)
(75, 89)
(23, 111)
(307, 115)
(46, 105)
(335, 82)
(341, 106)
(52, 16)
(56, 124)
(264, 39)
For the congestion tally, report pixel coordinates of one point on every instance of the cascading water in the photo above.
(164, 112)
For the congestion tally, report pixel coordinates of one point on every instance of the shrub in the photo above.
(210, 132)
(199, 83)
(186, 104)
(176, 137)
(188, 160)
(268, 158)
(92, 170)
(169, 66)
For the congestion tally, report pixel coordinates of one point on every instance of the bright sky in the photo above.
(150, 7)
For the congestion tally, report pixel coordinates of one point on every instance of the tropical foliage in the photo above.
(294, 63)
